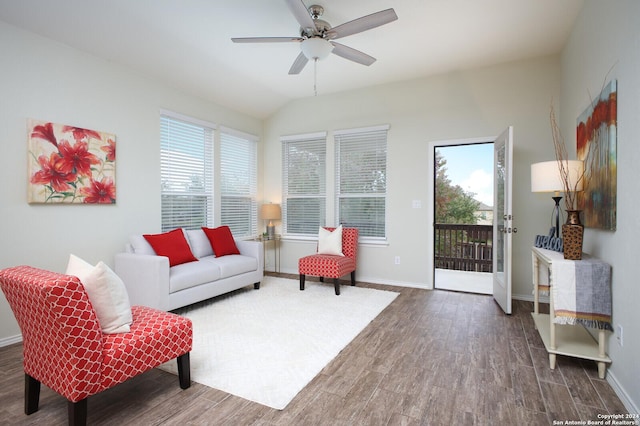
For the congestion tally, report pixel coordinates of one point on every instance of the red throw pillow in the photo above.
(173, 245)
(221, 240)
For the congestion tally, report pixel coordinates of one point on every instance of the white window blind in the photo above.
(238, 182)
(186, 169)
(304, 183)
(361, 180)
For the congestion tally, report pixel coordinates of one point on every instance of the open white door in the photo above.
(503, 219)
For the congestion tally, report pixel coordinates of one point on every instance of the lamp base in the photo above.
(271, 231)
(556, 213)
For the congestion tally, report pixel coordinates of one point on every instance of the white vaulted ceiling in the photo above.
(186, 43)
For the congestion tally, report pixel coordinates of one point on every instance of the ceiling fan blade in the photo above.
(265, 39)
(300, 12)
(352, 54)
(363, 24)
(298, 64)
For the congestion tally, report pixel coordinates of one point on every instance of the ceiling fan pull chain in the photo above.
(315, 76)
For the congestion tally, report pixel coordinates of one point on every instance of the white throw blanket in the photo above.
(582, 292)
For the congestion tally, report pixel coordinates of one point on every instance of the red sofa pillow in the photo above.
(173, 245)
(221, 240)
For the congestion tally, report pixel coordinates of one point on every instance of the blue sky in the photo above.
(471, 167)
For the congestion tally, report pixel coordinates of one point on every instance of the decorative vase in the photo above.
(572, 233)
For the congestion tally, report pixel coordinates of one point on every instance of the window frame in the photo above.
(365, 137)
(250, 188)
(175, 165)
(290, 222)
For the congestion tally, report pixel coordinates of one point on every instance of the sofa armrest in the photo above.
(146, 278)
(253, 249)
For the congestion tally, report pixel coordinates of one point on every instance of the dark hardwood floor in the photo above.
(431, 357)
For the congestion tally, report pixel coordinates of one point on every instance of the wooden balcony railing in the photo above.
(464, 247)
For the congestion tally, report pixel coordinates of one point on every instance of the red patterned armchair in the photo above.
(64, 347)
(330, 265)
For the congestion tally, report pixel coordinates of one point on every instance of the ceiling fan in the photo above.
(316, 35)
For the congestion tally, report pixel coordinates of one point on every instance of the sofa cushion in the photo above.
(192, 274)
(199, 243)
(173, 245)
(221, 240)
(231, 265)
(140, 245)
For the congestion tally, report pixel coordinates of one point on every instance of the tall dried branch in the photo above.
(562, 158)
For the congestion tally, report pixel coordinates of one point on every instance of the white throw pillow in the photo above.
(330, 242)
(199, 243)
(107, 294)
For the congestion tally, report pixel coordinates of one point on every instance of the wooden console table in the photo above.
(570, 340)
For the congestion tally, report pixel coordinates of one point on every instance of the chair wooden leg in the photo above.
(256, 286)
(77, 412)
(353, 277)
(336, 284)
(31, 394)
(302, 277)
(184, 371)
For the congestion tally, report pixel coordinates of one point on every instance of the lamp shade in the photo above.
(545, 176)
(316, 48)
(270, 211)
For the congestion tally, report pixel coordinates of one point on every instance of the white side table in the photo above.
(570, 340)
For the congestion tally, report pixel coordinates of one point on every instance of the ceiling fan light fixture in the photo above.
(316, 48)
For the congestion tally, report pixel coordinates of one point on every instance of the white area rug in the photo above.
(266, 345)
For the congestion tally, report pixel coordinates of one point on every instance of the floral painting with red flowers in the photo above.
(70, 165)
(596, 145)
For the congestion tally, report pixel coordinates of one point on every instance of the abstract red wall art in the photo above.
(596, 140)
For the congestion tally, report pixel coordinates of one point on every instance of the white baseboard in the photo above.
(529, 298)
(6, 341)
(629, 404)
(373, 280)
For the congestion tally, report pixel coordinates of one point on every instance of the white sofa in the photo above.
(151, 282)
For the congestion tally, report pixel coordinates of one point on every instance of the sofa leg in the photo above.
(77, 412)
(31, 394)
(336, 284)
(184, 371)
(321, 279)
(353, 277)
(256, 286)
(302, 277)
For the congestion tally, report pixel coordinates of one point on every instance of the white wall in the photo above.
(45, 80)
(459, 105)
(605, 45)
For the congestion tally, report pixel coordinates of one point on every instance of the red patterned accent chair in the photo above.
(332, 266)
(64, 347)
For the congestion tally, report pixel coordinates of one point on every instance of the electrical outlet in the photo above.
(619, 335)
(397, 260)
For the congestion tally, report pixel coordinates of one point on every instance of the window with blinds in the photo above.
(361, 180)
(304, 183)
(186, 170)
(238, 182)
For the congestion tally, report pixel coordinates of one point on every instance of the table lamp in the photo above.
(545, 177)
(270, 212)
